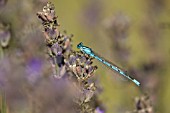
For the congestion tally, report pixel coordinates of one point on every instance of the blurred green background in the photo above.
(147, 41)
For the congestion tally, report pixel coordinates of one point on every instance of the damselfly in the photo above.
(89, 52)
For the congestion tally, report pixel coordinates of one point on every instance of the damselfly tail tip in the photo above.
(136, 82)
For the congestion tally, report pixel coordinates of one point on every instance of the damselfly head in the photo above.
(79, 45)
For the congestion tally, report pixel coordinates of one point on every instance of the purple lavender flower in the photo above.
(33, 69)
(4, 70)
(2, 2)
(92, 13)
(99, 110)
(2, 77)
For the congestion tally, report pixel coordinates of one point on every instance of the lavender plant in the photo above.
(66, 62)
(117, 28)
(143, 105)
